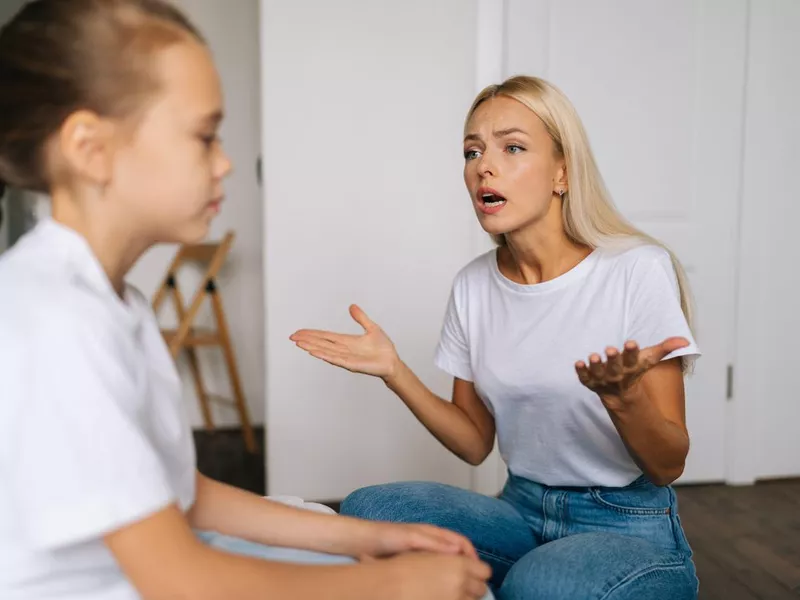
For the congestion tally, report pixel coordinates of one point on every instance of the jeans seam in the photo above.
(667, 566)
(643, 512)
(496, 557)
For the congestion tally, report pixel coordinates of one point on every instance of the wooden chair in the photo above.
(187, 337)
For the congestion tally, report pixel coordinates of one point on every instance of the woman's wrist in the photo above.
(395, 373)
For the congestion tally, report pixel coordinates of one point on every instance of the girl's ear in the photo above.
(86, 147)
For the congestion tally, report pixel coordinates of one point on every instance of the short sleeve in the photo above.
(84, 466)
(452, 353)
(655, 312)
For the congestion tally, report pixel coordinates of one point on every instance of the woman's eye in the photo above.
(471, 154)
(209, 140)
(515, 149)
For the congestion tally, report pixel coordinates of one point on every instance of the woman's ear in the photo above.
(561, 182)
(86, 147)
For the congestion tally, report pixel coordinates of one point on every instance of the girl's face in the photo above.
(512, 170)
(166, 176)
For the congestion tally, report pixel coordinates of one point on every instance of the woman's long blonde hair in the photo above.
(589, 214)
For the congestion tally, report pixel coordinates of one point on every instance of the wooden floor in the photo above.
(746, 540)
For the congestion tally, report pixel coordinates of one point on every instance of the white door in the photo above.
(766, 392)
(659, 88)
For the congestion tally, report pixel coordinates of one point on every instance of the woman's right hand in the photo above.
(372, 353)
(419, 576)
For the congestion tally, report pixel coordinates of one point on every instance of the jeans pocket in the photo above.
(642, 500)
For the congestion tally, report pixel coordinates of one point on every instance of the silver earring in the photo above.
(560, 193)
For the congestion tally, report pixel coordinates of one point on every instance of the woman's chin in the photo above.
(493, 226)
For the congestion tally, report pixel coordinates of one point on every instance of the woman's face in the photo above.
(512, 170)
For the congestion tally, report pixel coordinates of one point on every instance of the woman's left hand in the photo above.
(389, 539)
(615, 379)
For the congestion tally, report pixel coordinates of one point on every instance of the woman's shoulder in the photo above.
(477, 269)
(636, 257)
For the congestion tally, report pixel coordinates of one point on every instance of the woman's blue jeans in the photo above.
(547, 543)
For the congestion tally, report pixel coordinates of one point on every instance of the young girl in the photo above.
(112, 108)
(591, 449)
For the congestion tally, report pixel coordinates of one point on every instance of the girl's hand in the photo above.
(616, 379)
(372, 353)
(422, 576)
(397, 538)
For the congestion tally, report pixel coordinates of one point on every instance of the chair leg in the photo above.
(202, 397)
(233, 373)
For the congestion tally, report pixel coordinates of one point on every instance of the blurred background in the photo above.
(344, 121)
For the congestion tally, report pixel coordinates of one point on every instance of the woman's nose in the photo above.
(487, 166)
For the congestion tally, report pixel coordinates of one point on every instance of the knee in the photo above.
(364, 502)
(397, 502)
(603, 566)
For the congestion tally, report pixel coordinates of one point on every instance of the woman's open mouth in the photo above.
(490, 201)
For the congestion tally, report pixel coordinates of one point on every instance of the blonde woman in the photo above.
(569, 341)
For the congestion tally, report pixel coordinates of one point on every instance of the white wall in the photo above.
(363, 106)
(233, 38)
(769, 279)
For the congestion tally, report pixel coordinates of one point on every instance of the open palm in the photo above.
(622, 370)
(371, 353)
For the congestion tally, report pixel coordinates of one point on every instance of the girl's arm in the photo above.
(241, 514)
(163, 560)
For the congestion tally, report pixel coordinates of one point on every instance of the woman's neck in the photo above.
(540, 254)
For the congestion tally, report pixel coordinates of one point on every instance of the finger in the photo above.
(316, 334)
(463, 544)
(459, 541)
(655, 354)
(333, 358)
(426, 541)
(366, 558)
(596, 366)
(583, 372)
(360, 317)
(630, 355)
(318, 344)
(613, 364)
(476, 589)
(479, 570)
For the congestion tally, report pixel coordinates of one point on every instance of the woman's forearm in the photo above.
(238, 513)
(658, 445)
(446, 421)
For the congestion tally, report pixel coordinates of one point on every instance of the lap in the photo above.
(496, 529)
(601, 566)
(273, 553)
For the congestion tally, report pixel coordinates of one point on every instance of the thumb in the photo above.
(360, 317)
(668, 346)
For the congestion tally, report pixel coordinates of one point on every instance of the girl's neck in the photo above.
(111, 242)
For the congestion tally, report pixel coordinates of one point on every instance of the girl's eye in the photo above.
(515, 149)
(209, 140)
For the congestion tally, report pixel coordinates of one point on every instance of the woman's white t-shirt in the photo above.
(519, 344)
(93, 434)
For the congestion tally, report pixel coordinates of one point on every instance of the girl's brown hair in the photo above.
(60, 56)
